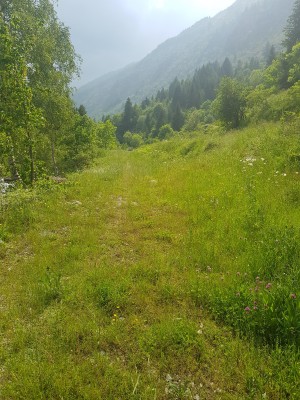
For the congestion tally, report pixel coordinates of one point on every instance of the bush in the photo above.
(133, 140)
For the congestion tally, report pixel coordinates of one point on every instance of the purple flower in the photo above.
(269, 285)
(247, 309)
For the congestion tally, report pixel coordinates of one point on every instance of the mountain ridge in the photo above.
(230, 34)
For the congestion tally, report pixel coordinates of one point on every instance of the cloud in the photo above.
(111, 34)
(156, 4)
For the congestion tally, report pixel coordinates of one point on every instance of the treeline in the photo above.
(234, 95)
(41, 131)
(168, 110)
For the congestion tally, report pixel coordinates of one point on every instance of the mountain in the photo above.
(239, 32)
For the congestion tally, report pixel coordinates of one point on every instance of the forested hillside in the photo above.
(240, 32)
(234, 96)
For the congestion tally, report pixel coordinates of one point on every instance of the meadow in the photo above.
(167, 272)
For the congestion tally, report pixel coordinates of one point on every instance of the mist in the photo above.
(111, 35)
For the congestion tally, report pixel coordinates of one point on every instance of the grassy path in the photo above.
(98, 295)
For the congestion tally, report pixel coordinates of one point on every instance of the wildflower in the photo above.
(238, 273)
(247, 309)
(255, 308)
(200, 331)
(209, 269)
(238, 294)
(293, 296)
(257, 278)
(268, 285)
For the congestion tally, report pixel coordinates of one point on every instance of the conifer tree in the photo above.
(271, 55)
(292, 29)
(128, 121)
(227, 69)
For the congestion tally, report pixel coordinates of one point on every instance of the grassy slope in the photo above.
(114, 289)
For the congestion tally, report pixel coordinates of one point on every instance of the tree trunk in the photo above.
(12, 163)
(30, 151)
(55, 169)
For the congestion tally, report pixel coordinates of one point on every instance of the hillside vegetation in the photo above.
(240, 32)
(169, 272)
(42, 133)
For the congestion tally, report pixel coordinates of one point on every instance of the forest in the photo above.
(42, 132)
(235, 96)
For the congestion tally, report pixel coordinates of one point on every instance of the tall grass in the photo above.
(170, 272)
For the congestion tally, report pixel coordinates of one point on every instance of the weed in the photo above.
(49, 288)
(173, 336)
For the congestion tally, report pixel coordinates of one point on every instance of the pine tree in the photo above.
(271, 56)
(292, 29)
(177, 119)
(128, 121)
(226, 69)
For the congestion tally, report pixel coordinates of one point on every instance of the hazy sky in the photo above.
(109, 34)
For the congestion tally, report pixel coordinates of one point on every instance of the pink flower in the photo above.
(269, 285)
(293, 296)
(247, 309)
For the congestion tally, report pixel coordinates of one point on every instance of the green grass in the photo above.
(170, 272)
